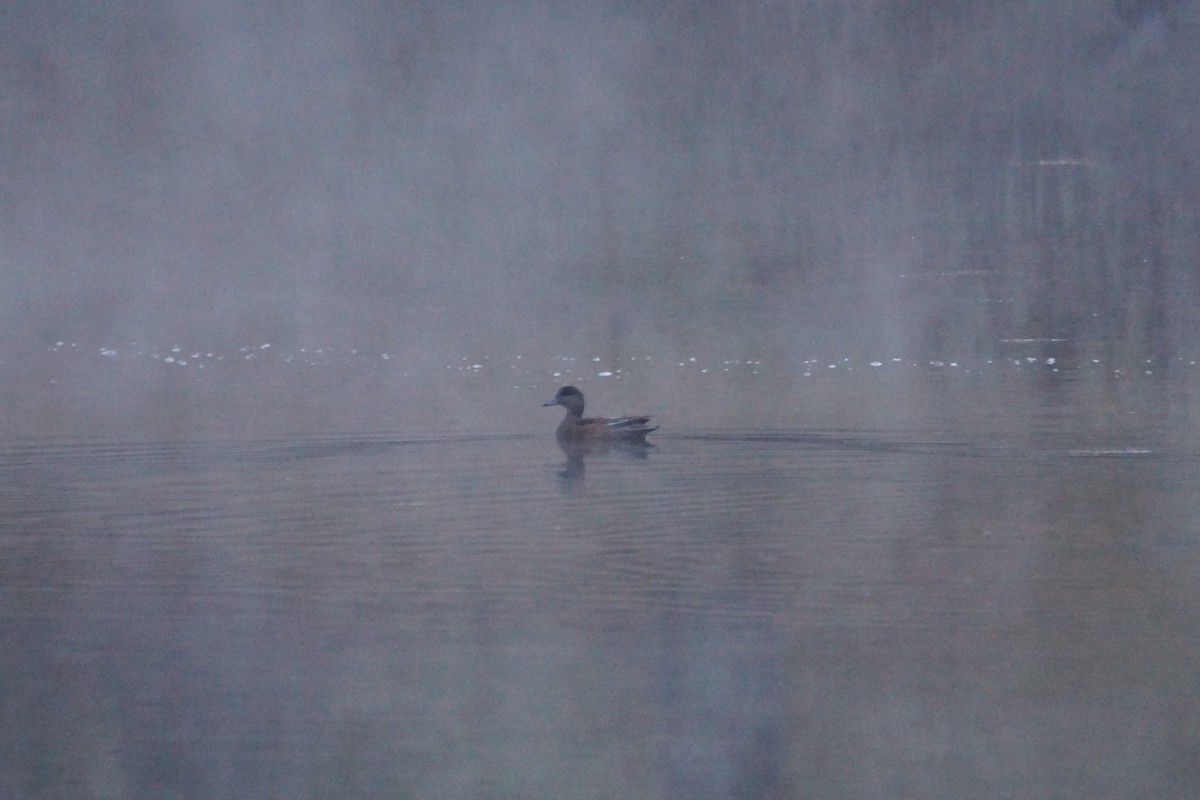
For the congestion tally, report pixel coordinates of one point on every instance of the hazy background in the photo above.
(440, 181)
(910, 286)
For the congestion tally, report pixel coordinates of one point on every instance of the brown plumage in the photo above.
(574, 428)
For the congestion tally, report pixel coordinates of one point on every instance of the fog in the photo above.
(442, 181)
(910, 287)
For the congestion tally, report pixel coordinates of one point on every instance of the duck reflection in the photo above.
(577, 452)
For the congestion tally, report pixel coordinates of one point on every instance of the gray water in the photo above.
(808, 612)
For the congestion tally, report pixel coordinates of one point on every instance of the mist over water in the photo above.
(436, 182)
(909, 286)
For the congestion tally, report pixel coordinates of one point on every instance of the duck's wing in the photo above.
(630, 426)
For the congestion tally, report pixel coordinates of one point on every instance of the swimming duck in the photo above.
(574, 428)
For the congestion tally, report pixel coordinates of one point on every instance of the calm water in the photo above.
(820, 613)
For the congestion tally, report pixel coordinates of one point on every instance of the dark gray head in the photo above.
(570, 398)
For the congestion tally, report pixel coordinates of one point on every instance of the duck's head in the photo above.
(569, 398)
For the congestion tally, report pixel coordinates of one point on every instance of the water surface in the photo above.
(728, 614)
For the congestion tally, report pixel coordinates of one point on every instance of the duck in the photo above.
(574, 428)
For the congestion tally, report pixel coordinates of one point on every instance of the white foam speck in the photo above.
(876, 363)
(108, 351)
(1051, 361)
(604, 374)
